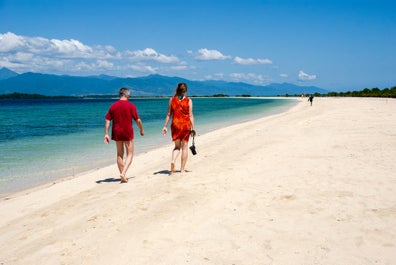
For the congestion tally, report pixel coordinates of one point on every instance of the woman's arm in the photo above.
(168, 115)
(191, 115)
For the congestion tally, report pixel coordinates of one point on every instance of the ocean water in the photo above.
(47, 139)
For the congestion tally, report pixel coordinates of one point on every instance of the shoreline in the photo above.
(308, 185)
(142, 145)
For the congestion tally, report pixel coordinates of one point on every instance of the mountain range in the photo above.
(152, 85)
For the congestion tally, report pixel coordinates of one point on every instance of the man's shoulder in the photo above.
(122, 104)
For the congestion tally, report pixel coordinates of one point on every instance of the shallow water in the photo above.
(47, 139)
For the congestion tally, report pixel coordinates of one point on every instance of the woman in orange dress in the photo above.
(180, 108)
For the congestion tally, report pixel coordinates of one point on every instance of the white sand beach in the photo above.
(312, 185)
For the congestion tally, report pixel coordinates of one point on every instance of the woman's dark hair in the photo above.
(181, 89)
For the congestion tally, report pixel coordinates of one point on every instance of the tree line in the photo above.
(16, 95)
(373, 92)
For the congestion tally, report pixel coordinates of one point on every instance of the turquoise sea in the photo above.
(47, 139)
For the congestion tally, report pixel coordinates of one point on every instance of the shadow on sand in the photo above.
(108, 180)
(163, 172)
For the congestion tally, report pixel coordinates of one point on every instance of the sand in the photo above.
(312, 185)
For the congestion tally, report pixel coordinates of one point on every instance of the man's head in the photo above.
(124, 92)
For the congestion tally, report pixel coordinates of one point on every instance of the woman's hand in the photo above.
(164, 130)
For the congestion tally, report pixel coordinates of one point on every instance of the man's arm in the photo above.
(106, 132)
(140, 125)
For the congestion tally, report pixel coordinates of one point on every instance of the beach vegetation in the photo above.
(29, 96)
(220, 95)
(366, 92)
(373, 92)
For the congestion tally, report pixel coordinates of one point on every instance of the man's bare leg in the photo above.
(129, 146)
(120, 155)
(123, 167)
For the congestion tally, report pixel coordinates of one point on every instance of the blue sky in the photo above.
(337, 45)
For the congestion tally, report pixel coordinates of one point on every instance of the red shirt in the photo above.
(121, 113)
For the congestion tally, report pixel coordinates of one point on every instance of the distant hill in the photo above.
(152, 85)
(6, 73)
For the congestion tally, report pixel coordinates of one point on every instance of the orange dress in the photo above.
(181, 124)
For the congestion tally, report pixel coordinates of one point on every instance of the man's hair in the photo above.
(124, 92)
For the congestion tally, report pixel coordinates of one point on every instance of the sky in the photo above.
(336, 45)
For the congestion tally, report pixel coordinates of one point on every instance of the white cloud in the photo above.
(258, 79)
(37, 54)
(206, 55)
(215, 76)
(179, 67)
(23, 57)
(105, 64)
(150, 54)
(284, 75)
(249, 61)
(84, 66)
(70, 48)
(304, 76)
(144, 68)
(10, 42)
(93, 66)
(38, 46)
(219, 75)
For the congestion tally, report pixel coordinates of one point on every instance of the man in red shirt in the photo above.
(121, 114)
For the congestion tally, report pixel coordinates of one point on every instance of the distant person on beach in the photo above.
(180, 109)
(310, 99)
(121, 114)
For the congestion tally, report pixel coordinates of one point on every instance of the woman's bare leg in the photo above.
(175, 154)
(184, 156)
